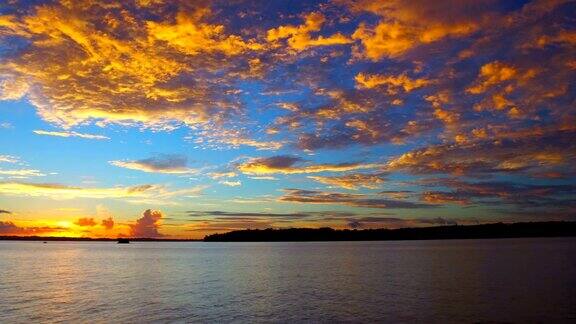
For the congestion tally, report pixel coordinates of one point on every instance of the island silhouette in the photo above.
(495, 230)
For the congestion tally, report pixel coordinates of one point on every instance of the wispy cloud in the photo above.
(337, 198)
(10, 228)
(22, 173)
(8, 159)
(352, 181)
(71, 134)
(137, 194)
(284, 164)
(167, 163)
(231, 183)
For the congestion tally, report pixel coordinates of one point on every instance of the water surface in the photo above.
(506, 280)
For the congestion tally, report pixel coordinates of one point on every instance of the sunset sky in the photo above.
(179, 119)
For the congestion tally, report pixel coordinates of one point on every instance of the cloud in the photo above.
(136, 194)
(228, 215)
(405, 26)
(71, 134)
(392, 83)
(85, 222)
(108, 223)
(396, 194)
(158, 66)
(219, 175)
(10, 228)
(352, 181)
(8, 159)
(3, 211)
(395, 222)
(299, 38)
(472, 89)
(284, 164)
(498, 193)
(492, 74)
(219, 221)
(366, 72)
(222, 225)
(190, 35)
(233, 138)
(231, 183)
(166, 163)
(355, 200)
(529, 153)
(148, 225)
(22, 173)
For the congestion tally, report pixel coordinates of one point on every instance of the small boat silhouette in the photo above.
(123, 241)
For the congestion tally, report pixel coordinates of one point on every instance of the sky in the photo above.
(178, 119)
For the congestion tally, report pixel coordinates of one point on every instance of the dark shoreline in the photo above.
(88, 239)
(484, 231)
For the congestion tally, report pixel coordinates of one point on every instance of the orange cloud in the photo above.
(10, 228)
(189, 35)
(492, 74)
(157, 194)
(523, 154)
(299, 38)
(108, 223)
(85, 221)
(283, 164)
(337, 198)
(404, 26)
(443, 198)
(108, 65)
(148, 225)
(352, 181)
(392, 82)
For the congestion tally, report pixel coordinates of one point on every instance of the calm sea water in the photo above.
(508, 280)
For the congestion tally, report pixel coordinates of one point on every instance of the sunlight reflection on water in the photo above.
(514, 280)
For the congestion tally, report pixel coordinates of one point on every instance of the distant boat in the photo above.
(123, 241)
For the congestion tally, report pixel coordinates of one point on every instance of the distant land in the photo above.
(496, 230)
(88, 239)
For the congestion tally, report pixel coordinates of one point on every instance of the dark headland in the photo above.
(498, 230)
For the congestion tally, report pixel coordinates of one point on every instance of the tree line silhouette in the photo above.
(497, 230)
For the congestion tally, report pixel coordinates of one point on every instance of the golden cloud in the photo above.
(355, 200)
(404, 26)
(85, 222)
(513, 154)
(391, 82)
(299, 38)
(352, 181)
(151, 193)
(107, 65)
(283, 164)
